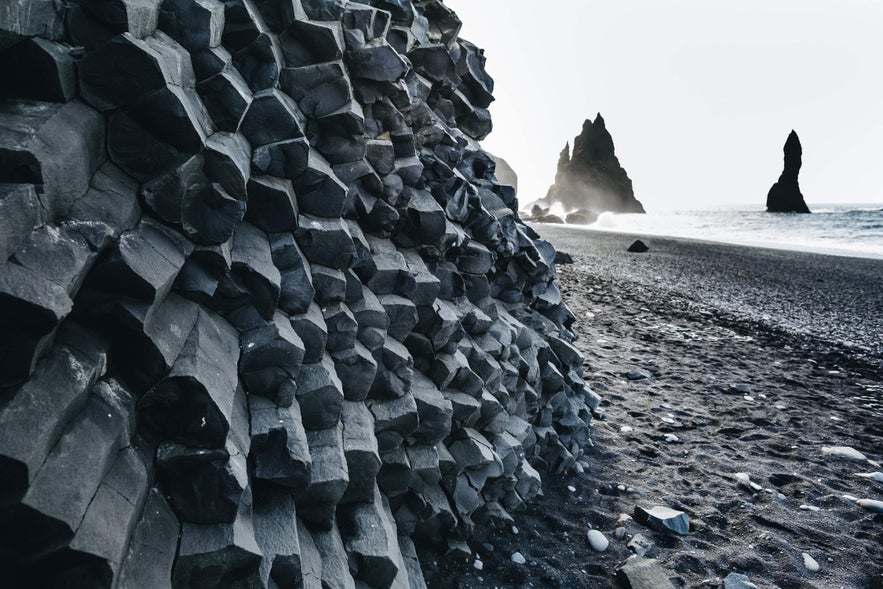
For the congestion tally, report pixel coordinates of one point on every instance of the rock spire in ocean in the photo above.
(590, 180)
(785, 196)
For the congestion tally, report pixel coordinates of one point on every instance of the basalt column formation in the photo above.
(269, 320)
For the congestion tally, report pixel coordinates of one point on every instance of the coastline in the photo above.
(837, 300)
(730, 383)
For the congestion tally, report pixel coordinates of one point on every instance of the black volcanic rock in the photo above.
(591, 180)
(785, 196)
(270, 317)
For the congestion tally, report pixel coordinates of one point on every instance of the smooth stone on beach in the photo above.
(638, 247)
(597, 541)
(874, 476)
(663, 519)
(871, 505)
(635, 375)
(846, 452)
(518, 558)
(810, 563)
(737, 581)
(642, 573)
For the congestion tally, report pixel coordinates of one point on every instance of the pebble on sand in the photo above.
(810, 563)
(844, 452)
(663, 519)
(478, 565)
(635, 375)
(518, 558)
(597, 541)
(874, 476)
(871, 505)
(738, 581)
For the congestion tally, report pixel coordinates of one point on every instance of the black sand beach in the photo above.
(751, 361)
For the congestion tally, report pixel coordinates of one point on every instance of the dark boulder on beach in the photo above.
(638, 247)
(785, 196)
(591, 180)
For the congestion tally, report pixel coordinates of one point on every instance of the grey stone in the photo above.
(356, 368)
(320, 89)
(152, 547)
(330, 477)
(325, 241)
(253, 261)
(272, 117)
(335, 565)
(39, 69)
(663, 519)
(279, 445)
(35, 415)
(311, 328)
(361, 451)
(58, 146)
(227, 98)
(64, 485)
(193, 404)
(271, 354)
(642, 573)
(395, 370)
(219, 555)
(276, 532)
(195, 25)
(320, 394)
(272, 205)
(370, 539)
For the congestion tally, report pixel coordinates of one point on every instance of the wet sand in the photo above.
(754, 361)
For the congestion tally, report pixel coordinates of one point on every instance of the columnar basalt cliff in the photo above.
(269, 319)
(590, 181)
(785, 196)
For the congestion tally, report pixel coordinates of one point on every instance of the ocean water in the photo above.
(841, 229)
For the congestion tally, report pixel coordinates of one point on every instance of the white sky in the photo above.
(699, 95)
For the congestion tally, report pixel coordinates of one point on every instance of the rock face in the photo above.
(785, 196)
(269, 317)
(590, 181)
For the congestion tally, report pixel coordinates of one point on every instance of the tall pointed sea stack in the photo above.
(591, 180)
(785, 196)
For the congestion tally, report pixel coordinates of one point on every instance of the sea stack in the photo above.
(591, 180)
(785, 196)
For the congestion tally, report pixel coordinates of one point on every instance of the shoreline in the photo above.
(797, 249)
(719, 393)
(837, 300)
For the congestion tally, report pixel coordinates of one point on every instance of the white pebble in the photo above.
(518, 558)
(810, 563)
(844, 452)
(810, 508)
(874, 476)
(515, 530)
(598, 541)
(748, 398)
(668, 420)
(619, 533)
(850, 498)
(571, 488)
(671, 438)
(478, 565)
(626, 429)
(742, 477)
(871, 505)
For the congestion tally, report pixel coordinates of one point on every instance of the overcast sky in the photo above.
(699, 95)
